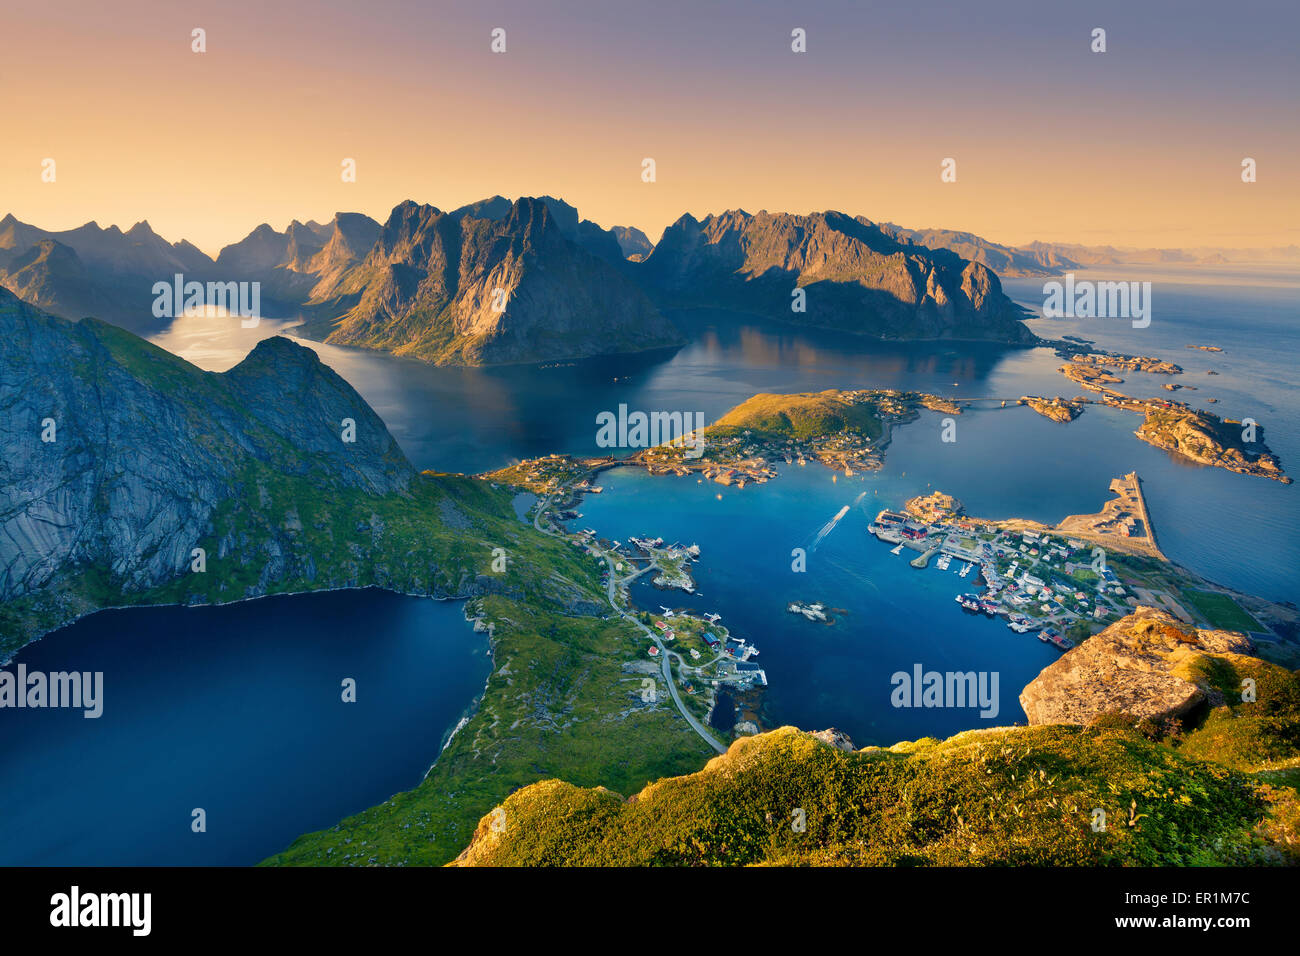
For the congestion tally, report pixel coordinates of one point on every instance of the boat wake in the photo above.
(829, 526)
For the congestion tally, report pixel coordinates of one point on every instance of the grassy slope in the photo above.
(557, 701)
(1014, 796)
(802, 416)
(556, 705)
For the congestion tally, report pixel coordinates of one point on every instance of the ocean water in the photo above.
(237, 710)
(889, 617)
(1231, 528)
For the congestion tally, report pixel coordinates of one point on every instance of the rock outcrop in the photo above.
(1209, 440)
(1135, 667)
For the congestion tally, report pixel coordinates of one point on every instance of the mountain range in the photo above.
(1057, 258)
(501, 281)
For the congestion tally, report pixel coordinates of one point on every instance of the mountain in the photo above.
(489, 285)
(1057, 258)
(1006, 261)
(1214, 788)
(634, 243)
(149, 457)
(855, 277)
(93, 271)
(290, 264)
(51, 275)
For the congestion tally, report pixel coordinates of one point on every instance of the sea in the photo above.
(236, 710)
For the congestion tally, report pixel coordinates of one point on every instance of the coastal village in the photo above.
(1063, 583)
(719, 680)
(1059, 584)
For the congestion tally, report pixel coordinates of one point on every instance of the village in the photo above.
(1060, 584)
(715, 670)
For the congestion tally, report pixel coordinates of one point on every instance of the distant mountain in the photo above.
(634, 243)
(854, 276)
(1006, 261)
(118, 459)
(1076, 256)
(487, 284)
(290, 264)
(93, 271)
(1057, 258)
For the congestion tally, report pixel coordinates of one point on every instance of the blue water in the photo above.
(236, 710)
(1230, 528)
(896, 616)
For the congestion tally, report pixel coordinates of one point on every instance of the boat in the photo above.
(965, 570)
(968, 601)
(943, 562)
(898, 549)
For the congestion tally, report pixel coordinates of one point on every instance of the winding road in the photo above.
(612, 596)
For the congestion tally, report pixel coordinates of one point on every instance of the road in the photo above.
(667, 655)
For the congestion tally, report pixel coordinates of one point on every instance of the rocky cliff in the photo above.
(120, 459)
(1137, 666)
(488, 285)
(852, 275)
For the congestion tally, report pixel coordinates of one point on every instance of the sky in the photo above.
(1141, 145)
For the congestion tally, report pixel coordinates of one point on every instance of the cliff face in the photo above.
(149, 458)
(1137, 666)
(521, 285)
(145, 447)
(855, 277)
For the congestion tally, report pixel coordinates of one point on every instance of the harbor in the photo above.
(1034, 581)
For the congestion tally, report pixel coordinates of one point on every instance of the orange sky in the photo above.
(1141, 145)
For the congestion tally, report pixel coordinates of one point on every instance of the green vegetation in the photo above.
(803, 416)
(558, 704)
(1014, 797)
(1248, 735)
(1221, 610)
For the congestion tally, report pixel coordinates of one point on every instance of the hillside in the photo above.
(152, 458)
(854, 276)
(803, 416)
(1219, 789)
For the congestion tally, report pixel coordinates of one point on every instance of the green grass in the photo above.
(802, 416)
(1014, 797)
(1221, 611)
(557, 704)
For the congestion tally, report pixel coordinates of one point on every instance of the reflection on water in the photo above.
(1220, 524)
